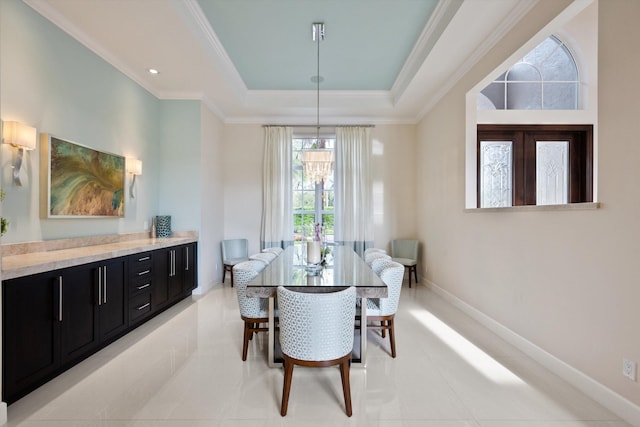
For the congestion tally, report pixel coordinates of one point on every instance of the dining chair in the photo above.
(253, 311)
(405, 252)
(372, 250)
(316, 330)
(265, 257)
(233, 252)
(274, 250)
(368, 258)
(383, 310)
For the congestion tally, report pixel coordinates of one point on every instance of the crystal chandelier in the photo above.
(317, 161)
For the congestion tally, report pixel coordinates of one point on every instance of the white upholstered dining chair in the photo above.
(265, 257)
(383, 310)
(316, 330)
(274, 250)
(253, 311)
(368, 258)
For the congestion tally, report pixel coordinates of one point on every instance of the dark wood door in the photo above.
(112, 304)
(31, 333)
(79, 311)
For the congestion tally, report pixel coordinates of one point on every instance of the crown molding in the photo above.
(44, 9)
(515, 15)
(196, 20)
(440, 18)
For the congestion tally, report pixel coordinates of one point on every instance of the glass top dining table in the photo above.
(342, 268)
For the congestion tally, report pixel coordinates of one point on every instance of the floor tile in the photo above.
(184, 369)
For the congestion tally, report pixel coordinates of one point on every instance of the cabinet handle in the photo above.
(172, 265)
(104, 272)
(144, 259)
(99, 285)
(187, 267)
(142, 273)
(144, 286)
(60, 299)
(142, 307)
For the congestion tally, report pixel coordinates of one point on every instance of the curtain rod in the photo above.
(322, 126)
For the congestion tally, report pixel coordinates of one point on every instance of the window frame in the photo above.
(321, 194)
(524, 137)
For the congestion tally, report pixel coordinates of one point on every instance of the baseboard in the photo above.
(617, 404)
(201, 290)
(3, 413)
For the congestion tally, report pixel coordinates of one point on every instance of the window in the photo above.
(545, 79)
(312, 203)
(534, 165)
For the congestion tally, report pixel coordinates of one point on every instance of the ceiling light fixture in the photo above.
(153, 71)
(317, 161)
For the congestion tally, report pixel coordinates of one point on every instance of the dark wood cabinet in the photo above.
(112, 299)
(142, 285)
(175, 274)
(30, 331)
(79, 320)
(189, 273)
(55, 319)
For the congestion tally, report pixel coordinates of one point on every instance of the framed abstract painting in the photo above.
(80, 181)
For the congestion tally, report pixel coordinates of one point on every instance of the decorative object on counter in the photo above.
(153, 227)
(22, 137)
(80, 181)
(163, 226)
(4, 224)
(134, 167)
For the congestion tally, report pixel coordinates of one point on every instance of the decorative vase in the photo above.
(163, 226)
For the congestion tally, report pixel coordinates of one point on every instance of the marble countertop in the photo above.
(48, 256)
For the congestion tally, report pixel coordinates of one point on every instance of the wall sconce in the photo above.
(22, 137)
(134, 167)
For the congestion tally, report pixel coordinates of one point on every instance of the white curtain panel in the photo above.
(277, 210)
(353, 188)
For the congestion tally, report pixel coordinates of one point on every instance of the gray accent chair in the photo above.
(405, 252)
(234, 251)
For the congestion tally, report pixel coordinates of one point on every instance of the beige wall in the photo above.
(394, 148)
(212, 200)
(394, 183)
(243, 151)
(565, 281)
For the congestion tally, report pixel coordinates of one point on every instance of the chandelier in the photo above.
(317, 161)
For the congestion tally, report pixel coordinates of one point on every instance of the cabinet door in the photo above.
(190, 270)
(112, 304)
(31, 331)
(161, 264)
(175, 273)
(79, 311)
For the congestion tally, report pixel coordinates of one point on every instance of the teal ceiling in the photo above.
(366, 45)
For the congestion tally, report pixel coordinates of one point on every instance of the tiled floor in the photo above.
(183, 368)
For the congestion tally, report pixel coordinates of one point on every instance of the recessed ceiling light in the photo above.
(153, 71)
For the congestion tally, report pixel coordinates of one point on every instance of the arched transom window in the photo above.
(545, 79)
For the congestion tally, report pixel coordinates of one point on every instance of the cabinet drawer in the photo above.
(140, 284)
(140, 264)
(139, 306)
